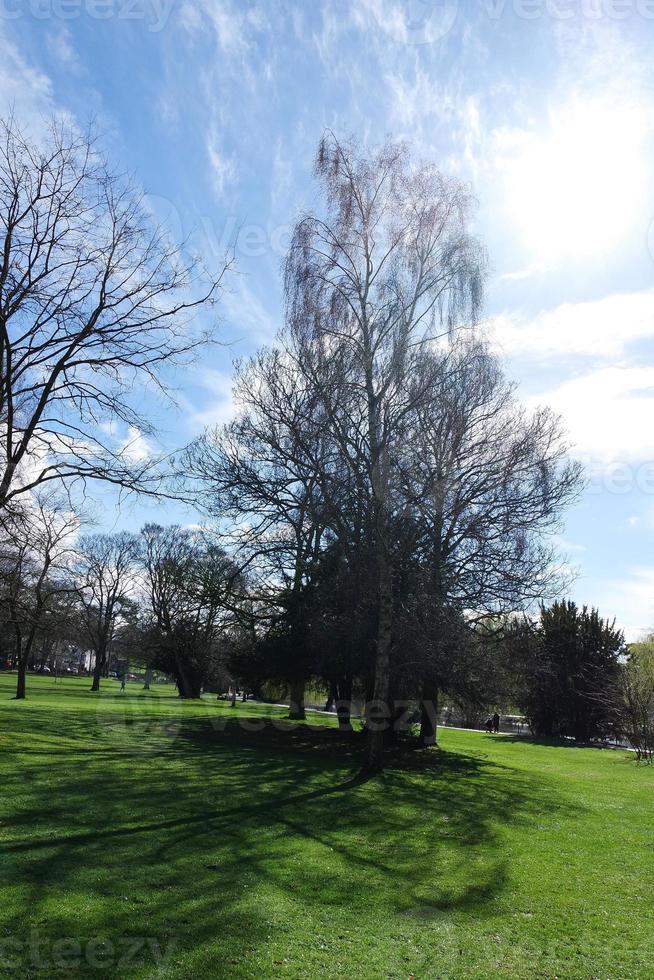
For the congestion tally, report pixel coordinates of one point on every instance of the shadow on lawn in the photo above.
(555, 741)
(228, 837)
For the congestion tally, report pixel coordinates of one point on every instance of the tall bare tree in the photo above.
(385, 272)
(94, 300)
(382, 473)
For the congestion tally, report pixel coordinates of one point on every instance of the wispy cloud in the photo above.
(222, 167)
(24, 89)
(62, 48)
(217, 402)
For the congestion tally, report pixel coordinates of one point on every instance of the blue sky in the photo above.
(545, 107)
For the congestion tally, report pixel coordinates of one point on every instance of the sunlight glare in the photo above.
(574, 191)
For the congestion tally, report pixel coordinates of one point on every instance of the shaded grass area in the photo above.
(194, 840)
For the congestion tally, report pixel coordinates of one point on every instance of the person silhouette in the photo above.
(496, 722)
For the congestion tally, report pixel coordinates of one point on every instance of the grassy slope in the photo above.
(258, 856)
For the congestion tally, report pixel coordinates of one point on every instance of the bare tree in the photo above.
(192, 587)
(371, 286)
(94, 300)
(629, 701)
(381, 473)
(637, 709)
(37, 543)
(260, 476)
(483, 485)
(106, 573)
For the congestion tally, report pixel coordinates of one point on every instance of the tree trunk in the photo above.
(400, 723)
(191, 692)
(331, 697)
(189, 688)
(378, 713)
(21, 665)
(44, 655)
(20, 682)
(97, 672)
(189, 682)
(148, 678)
(296, 708)
(343, 709)
(25, 657)
(344, 705)
(429, 714)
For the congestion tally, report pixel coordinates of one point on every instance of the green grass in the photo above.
(220, 852)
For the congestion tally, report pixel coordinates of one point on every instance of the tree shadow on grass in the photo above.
(226, 839)
(556, 742)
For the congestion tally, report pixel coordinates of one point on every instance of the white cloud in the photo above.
(190, 17)
(136, 447)
(565, 545)
(247, 315)
(607, 412)
(529, 272)
(234, 25)
(600, 328)
(283, 179)
(574, 187)
(407, 23)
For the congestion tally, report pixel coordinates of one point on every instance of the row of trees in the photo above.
(177, 598)
(165, 593)
(380, 501)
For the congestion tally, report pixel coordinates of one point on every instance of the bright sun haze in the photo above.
(574, 185)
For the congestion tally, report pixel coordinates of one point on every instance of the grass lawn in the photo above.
(146, 837)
